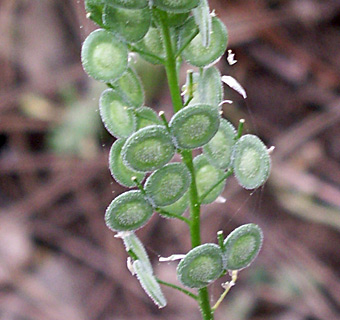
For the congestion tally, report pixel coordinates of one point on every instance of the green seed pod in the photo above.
(149, 284)
(94, 8)
(146, 117)
(127, 212)
(104, 57)
(130, 88)
(194, 125)
(179, 206)
(118, 119)
(218, 150)
(129, 25)
(242, 246)
(132, 243)
(177, 19)
(197, 54)
(203, 20)
(166, 185)
(120, 172)
(175, 5)
(201, 266)
(148, 149)
(128, 4)
(152, 43)
(207, 176)
(251, 162)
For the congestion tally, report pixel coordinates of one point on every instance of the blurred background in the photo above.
(57, 258)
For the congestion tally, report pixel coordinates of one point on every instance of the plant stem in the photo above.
(188, 293)
(195, 233)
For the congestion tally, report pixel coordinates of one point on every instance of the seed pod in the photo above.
(132, 243)
(128, 4)
(201, 266)
(166, 185)
(218, 150)
(127, 212)
(130, 88)
(94, 8)
(251, 162)
(242, 246)
(207, 176)
(209, 87)
(177, 19)
(194, 125)
(152, 43)
(146, 117)
(120, 172)
(118, 119)
(104, 57)
(179, 206)
(149, 284)
(148, 149)
(129, 25)
(203, 20)
(175, 5)
(197, 54)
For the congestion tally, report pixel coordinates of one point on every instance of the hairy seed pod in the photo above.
(132, 243)
(203, 20)
(166, 185)
(194, 125)
(201, 266)
(242, 246)
(207, 176)
(218, 150)
(103, 56)
(251, 162)
(196, 53)
(128, 4)
(149, 284)
(148, 149)
(179, 206)
(120, 172)
(130, 88)
(129, 25)
(177, 19)
(127, 212)
(94, 8)
(146, 117)
(118, 118)
(152, 45)
(175, 5)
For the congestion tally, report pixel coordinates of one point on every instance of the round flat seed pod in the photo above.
(127, 212)
(175, 5)
(128, 4)
(166, 185)
(242, 246)
(130, 25)
(207, 176)
(198, 55)
(120, 172)
(148, 149)
(219, 149)
(104, 57)
(118, 119)
(152, 45)
(194, 125)
(179, 206)
(132, 243)
(251, 162)
(149, 283)
(210, 89)
(177, 19)
(201, 266)
(146, 117)
(130, 88)
(95, 10)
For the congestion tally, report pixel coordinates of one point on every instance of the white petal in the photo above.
(232, 83)
(171, 258)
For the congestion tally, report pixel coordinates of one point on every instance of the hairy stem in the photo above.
(195, 233)
(173, 286)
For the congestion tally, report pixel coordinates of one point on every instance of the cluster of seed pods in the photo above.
(146, 143)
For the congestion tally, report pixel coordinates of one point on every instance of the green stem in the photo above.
(195, 234)
(173, 286)
(172, 215)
